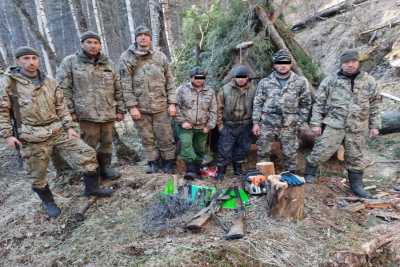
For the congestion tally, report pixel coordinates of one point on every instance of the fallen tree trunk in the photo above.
(390, 122)
(326, 13)
(275, 36)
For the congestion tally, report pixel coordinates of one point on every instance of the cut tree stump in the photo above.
(266, 168)
(283, 201)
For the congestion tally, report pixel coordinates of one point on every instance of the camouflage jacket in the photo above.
(282, 107)
(235, 105)
(199, 108)
(41, 106)
(147, 81)
(92, 90)
(339, 107)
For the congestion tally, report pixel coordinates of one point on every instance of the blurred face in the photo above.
(283, 68)
(91, 46)
(351, 66)
(143, 40)
(198, 81)
(29, 63)
(241, 81)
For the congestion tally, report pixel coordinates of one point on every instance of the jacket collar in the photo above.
(102, 59)
(135, 50)
(15, 73)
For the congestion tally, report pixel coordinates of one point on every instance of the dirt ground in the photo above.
(117, 231)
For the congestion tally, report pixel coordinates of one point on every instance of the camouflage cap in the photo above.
(25, 50)
(281, 55)
(142, 30)
(240, 70)
(198, 71)
(350, 54)
(89, 34)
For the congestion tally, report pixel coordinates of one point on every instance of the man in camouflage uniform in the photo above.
(149, 93)
(281, 107)
(235, 109)
(196, 116)
(44, 125)
(93, 94)
(346, 104)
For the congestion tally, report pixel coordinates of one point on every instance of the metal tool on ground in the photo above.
(196, 223)
(80, 214)
(255, 183)
(15, 114)
(237, 229)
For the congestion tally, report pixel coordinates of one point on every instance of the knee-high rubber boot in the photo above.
(92, 186)
(220, 172)
(191, 171)
(48, 201)
(356, 184)
(237, 168)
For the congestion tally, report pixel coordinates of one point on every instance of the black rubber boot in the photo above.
(220, 172)
(237, 168)
(48, 201)
(356, 184)
(92, 187)
(152, 166)
(310, 173)
(168, 166)
(106, 171)
(191, 171)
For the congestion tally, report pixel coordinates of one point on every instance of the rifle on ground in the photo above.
(395, 98)
(237, 229)
(200, 219)
(16, 122)
(80, 215)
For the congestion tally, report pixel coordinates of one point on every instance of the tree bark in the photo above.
(131, 22)
(275, 36)
(40, 35)
(326, 13)
(155, 22)
(99, 25)
(390, 122)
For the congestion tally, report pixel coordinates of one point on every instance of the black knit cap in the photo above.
(90, 34)
(198, 71)
(350, 54)
(241, 71)
(25, 50)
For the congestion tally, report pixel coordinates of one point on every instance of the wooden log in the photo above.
(390, 122)
(284, 201)
(326, 13)
(275, 36)
(266, 168)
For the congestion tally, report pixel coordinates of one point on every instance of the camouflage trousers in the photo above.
(75, 152)
(329, 142)
(98, 135)
(157, 137)
(289, 142)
